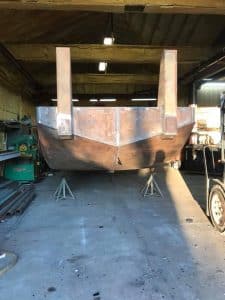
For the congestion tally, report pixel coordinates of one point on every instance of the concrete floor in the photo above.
(112, 244)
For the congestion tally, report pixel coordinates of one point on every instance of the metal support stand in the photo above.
(151, 187)
(60, 193)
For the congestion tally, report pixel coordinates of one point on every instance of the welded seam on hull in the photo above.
(117, 128)
(54, 133)
(121, 144)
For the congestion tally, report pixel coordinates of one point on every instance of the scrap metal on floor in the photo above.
(15, 197)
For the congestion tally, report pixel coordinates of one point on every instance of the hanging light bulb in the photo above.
(102, 66)
(108, 41)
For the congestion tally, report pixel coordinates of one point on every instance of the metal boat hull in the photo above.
(113, 138)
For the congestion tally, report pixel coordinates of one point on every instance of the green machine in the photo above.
(27, 167)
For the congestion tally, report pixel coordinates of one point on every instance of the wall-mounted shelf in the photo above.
(8, 155)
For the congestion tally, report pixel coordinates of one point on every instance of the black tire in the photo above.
(217, 207)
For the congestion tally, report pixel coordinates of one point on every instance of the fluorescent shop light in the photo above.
(107, 100)
(93, 100)
(74, 100)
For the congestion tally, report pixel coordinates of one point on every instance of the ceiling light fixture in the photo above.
(107, 100)
(93, 100)
(74, 100)
(108, 41)
(102, 66)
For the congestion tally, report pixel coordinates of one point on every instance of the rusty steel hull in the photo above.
(114, 138)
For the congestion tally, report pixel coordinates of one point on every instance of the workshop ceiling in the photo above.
(27, 33)
(90, 27)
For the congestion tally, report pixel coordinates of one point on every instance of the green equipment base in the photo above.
(20, 169)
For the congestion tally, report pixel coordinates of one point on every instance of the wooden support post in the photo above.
(64, 92)
(167, 93)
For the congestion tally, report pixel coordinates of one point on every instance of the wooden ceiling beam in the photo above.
(208, 69)
(114, 54)
(148, 6)
(99, 79)
(14, 76)
(103, 89)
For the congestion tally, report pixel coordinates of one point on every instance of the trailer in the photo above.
(215, 187)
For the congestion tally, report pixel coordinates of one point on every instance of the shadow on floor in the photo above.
(196, 184)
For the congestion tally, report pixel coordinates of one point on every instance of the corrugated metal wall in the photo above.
(209, 95)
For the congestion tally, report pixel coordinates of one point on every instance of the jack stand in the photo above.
(151, 187)
(60, 193)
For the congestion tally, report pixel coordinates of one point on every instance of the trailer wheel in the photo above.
(217, 207)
